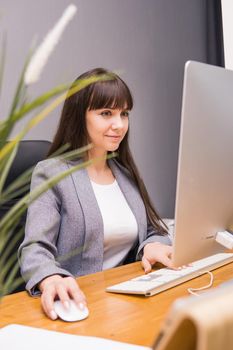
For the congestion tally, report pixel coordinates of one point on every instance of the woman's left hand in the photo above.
(156, 252)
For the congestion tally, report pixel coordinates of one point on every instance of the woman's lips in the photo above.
(113, 137)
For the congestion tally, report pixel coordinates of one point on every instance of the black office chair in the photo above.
(29, 153)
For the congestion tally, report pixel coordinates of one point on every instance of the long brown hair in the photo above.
(110, 93)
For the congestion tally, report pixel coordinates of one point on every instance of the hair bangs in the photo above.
(110, 94)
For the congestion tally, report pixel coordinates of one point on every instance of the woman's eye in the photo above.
(125, 114)
(105, 113)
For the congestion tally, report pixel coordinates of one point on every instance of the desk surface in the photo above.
(126, 318)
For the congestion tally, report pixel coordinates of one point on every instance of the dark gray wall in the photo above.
(148, 41)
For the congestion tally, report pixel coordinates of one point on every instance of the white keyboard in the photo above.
(160, 280)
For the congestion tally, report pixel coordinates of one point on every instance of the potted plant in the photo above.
(9, 232)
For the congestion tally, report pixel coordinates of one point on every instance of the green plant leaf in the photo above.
(80, 84)
(26, 200)
(20, 90)
(22, 183)
(39, 101)
(6, 168)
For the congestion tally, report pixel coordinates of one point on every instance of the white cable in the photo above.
(194, 290)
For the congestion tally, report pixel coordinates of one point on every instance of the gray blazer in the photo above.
(64, 228)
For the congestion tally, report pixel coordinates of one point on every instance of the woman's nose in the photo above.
(117, 123)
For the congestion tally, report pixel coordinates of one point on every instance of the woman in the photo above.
(97, 217)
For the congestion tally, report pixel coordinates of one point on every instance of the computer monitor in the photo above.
(204, 193)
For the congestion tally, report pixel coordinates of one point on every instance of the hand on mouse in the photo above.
(65, 288)
(156, 252)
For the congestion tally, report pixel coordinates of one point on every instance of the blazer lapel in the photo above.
(93, 246)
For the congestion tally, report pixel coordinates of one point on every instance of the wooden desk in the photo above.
(126, 318)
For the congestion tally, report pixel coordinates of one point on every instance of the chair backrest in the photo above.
(29, 153)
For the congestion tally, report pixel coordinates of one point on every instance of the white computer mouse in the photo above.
(72, 314)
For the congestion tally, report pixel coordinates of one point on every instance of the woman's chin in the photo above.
(113, 148)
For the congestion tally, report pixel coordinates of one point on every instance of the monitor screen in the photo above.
(204, 193)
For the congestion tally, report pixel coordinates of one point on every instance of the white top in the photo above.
(120, 226)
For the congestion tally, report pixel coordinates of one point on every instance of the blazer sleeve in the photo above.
(152, 236)
(38, 252)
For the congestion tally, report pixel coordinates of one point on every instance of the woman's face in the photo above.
(106, 128)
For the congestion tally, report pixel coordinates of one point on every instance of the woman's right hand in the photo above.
(62, 288)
